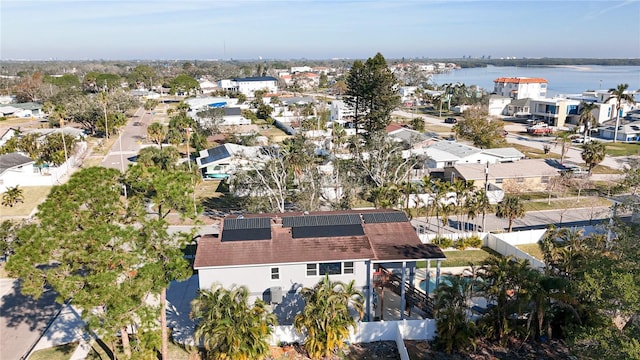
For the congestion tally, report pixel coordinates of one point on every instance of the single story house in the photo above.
(524, 175)
(14, 167)
(222, 161)
(276, 255)
(626, 133)
(443, 154)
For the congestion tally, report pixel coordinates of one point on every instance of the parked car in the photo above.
(574, 171)
(450, 120)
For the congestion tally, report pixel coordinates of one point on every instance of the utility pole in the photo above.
(486, 194)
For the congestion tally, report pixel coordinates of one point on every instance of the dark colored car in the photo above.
(450, 120)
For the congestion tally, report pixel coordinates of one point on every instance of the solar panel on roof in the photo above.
(321, 220)
(248, 223)
(245, 234)
(214, 154)
(384, 217)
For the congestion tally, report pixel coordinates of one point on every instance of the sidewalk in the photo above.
(68, 327)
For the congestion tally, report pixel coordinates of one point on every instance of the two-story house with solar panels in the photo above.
(276, 255)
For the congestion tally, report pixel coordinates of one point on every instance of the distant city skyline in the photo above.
(296, 29)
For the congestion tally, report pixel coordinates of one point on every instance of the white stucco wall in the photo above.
(258, 278)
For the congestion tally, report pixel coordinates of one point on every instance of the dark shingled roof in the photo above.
(382, 235)
(11, 160)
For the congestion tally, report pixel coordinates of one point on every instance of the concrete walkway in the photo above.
(68, 327)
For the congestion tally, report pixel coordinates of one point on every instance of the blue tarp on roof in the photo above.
(218, 105)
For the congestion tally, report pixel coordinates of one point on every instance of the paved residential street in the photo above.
(22, 319)
(128, 144)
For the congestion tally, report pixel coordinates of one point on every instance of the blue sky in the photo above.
(240, 29)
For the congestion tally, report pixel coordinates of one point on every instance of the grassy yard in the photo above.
(622, 149)
(534, 153)
(33, 196)
(440, 129)
(532, 249)
(62, 352)
(566, 203)
(463, 258)
(176, 352)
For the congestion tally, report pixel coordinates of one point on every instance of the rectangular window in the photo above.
(334, 268)
(312, 270)
(520, 180)
(348, 267)
(545, 180)
(275, 273)
(498, 181)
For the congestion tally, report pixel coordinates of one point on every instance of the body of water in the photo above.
(562, 80)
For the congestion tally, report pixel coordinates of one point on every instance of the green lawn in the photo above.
(62, 352)
(33, 195)
(622, 149)
(463, 258)
(581, 202)
(532, 249)
(534, 153)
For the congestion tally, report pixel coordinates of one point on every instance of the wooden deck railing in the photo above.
(413, 296)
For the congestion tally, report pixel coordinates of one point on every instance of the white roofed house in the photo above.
(276, 255)
(249, 85)
(16, 169)
(443, 154)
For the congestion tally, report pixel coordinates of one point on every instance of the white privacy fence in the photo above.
(367, 332)
(508, 247)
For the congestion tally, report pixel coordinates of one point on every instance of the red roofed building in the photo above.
(276, 255)
(521, 87)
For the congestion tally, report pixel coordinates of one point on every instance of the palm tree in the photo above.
(12, 196)
(452, 327)
(462, 188)
(564, 140)
(621, 96)
(229, 327)
(587, 119)
(593, 153)
(157, 133)
(328, 316)
(511, 208)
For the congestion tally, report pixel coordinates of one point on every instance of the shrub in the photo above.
(473, 241)
(442, 242)
(461, 244)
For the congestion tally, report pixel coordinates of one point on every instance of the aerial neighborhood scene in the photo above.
(319, 180)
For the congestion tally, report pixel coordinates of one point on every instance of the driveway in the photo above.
(22, 319)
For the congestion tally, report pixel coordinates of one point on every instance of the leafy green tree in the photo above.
(328, 316)
(229, 327)
(417, 124)
(8, 237)
(482, 131)
(12, 196)
(264, 111)
(620, 96)
(184, 83)
(84, 233)
(150, 104)
(64, 81)
(142, 75)
(53, 151)
(593, 153)
(157, 133)
(510, 208)
(453, 330)
(95, 82)
(371, 93)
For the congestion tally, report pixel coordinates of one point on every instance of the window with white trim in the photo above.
(348, 267)
(275, 273)
(312, 269)
(333, 268)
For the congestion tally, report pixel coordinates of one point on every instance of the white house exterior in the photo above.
(498, 105)
(555, 111)
(275, 255)
(340, 112)
(520, 87)
(14, 169)
(443, 154)
(224, 160)
(249, 85)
